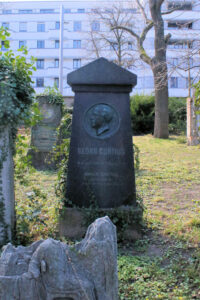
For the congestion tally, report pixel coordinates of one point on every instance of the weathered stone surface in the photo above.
(72, 222)
(51, 270)
(44, 135)
(101, 166)
(7, 199)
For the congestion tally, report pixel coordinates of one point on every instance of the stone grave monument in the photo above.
(7, 198)
(44, 135)
(100, 168)
(101, 151)
(52, 270)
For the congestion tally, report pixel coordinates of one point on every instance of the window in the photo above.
(57, 44)
(56, 82)
(77, 44)
(3, 46)
(129, 10)
(108, 11)
(113, 46)
(178, 44)
(22, 44)
(39, 81)
(67, 10)
(189, 83)
(40, 63)
(175, 61)
(56, 63)
(40, 44)
(40, 27)
(180, 25)
(130, 46)
(46, 11)
(7, 11)
(191, 62)
(95, 26)
(22, 26)
(180, 6)
(25, 11)
(5, 25)
(174, 82)
(77, 25)
(57, 25)
(76, 63)
(80, 10)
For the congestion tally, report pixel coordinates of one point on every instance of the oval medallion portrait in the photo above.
(101, 121)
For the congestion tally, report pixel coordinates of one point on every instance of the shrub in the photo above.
(142, 114)
(177, 115)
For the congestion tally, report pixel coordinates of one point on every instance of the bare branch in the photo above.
(145, 31)
(167, 38)
(169, 11)
(128, 30)
(142, 11)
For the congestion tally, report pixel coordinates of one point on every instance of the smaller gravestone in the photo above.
(44, 135)
(52, 270)
(7, 199)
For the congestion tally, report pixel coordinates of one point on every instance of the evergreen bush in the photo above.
(143, 112)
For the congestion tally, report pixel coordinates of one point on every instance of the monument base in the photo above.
(73, 222)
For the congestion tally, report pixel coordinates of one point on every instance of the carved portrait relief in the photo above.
(101, 121)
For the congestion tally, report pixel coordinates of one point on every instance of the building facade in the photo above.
(58, 34)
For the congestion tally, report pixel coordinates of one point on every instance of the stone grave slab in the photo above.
(44, 135)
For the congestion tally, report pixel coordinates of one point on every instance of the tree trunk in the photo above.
(161, 109)
(159, 68)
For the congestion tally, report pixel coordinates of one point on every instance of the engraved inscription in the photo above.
(101, 121)
(101, 151)
(103, 178)
(44, 137)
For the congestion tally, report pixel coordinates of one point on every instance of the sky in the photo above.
(47, 0)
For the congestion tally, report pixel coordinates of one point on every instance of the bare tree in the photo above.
(185, 63)
(184, 59)
(114, 44)
(158, 62)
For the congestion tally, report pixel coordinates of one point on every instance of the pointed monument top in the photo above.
(101, 72)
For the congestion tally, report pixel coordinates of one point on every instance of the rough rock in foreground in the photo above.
(51, 270)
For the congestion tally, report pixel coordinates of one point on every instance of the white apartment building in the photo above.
(60, 41)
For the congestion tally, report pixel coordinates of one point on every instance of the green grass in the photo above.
(169, 182)
(165, 263)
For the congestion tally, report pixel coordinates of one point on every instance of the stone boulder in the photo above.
(52, 270)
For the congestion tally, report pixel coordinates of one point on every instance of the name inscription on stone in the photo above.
(98, 175)
(44, 137)
(101, 151)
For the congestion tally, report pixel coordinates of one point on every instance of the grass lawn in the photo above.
(165, 264)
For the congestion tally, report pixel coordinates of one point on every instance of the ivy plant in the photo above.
(53, 95)
(16, 91)
(16, 98)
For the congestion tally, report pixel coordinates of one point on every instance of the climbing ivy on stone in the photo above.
(16, 98)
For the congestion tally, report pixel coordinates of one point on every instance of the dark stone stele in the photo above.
(101, 168)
